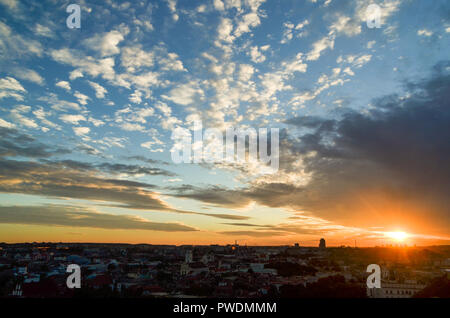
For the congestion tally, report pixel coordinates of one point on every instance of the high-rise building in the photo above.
(322, 243)
(189, 257)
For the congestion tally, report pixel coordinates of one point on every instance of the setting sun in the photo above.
(398, 236)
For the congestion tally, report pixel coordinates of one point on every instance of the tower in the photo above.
(189, 257)
(322, 243)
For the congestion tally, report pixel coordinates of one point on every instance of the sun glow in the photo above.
(398, 236)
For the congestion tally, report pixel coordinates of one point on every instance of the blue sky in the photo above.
(108, 95)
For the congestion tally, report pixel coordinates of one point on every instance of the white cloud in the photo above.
(10, 87)
(41, 115)
(136, 97)
(6, 124)
(132, 127)
(44, 31)
(11, 4)
(15, 45)
(370, 44)
(256, 56)
(96, 122)
(18, 117)
(100, 91)
(72, 119)
(287, 34)
(28, 75)
(184, 94)
(346, 25)
(134, 58)
(224, 30)
(107, 43)
(248, 20)
(85, 64)
(173, 9)
(75, 74)
(82, 99)
(245, 72)
(319, 46)
(150, 145)
(10, 83)
(218, 5)
(171, 63)
(58, 104)
(424, 32)
(64, 84)
(81, 131)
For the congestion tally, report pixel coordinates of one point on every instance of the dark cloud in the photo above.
(77, 180)
(59, 215)
(214, 195)
(15, 144)
(114, 168)
(146, 160)
(59, 181)
(247, 225)
(254, 233)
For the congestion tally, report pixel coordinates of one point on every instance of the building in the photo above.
(395, 290)
(322, 243)
(189, 257)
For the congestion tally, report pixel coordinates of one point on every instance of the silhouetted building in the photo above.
(189, 257)
(322, 243)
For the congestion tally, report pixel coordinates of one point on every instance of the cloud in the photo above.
(254, 233)
(43, 30)
(346, 25)
(64, 84)
(150, 145)
(85, 64)
(13, 143)
(5, 124)
(107, 43)
(81, 131)
(184, 94)
(424, 32)
(172, 4)
(18, 117)
(100, 91)
(72, 119)
(218, 5)
(58, 104)
(224, 30)
(319, 46)
(10, 87)
(245, 72)
(134, 58)
(381, 167)
(11, 4)
(82, 99)
(249, 20)
(28, 75)
(14, 45)
(63, 215)
(256, 55)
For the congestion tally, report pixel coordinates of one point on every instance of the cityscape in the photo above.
(247, 152)
(39, 270)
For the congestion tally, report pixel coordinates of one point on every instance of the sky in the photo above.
(87, 116)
